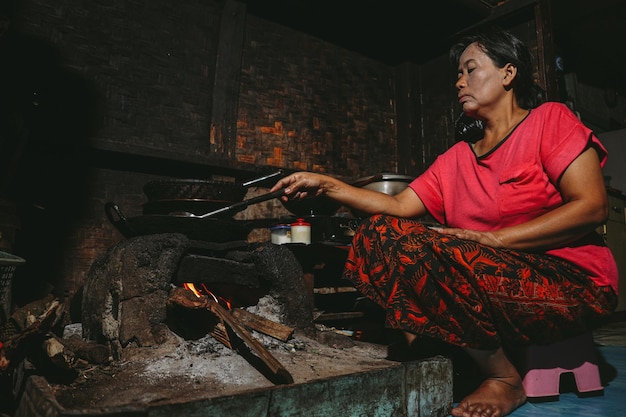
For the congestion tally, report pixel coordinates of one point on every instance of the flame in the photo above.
(199, 292)
(191, 287)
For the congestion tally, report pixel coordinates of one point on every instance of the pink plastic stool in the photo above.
(541, 368)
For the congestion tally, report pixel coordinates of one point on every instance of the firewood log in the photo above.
(18, 346)
(91, 352)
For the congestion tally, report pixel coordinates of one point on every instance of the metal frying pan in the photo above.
(209, 229)
(233, 208)
(209, 226)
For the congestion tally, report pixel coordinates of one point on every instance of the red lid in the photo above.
(300, 222)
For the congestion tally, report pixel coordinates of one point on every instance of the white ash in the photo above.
(73, 329)
(271, 309)
(182, 370)
(198, 360)
(205, 345)
(205, 359)
(268, 307)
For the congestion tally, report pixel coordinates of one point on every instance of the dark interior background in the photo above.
(589, 34)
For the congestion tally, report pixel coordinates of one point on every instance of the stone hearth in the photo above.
(159, 367)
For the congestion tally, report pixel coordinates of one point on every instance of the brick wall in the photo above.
(152, 64)
(308, 105)
(138, 80)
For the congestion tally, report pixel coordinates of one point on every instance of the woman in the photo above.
(518, 260)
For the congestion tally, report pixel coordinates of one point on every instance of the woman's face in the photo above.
(480, 82)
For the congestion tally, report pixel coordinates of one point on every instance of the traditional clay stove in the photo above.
(133, 298)
(126, 292)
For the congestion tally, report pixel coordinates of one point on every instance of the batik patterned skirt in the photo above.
(468, 294)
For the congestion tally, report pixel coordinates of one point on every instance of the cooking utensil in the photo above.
(195, 189)
(386, 183)
(233, 208)
(195, 206)
(261, 179)
(209, 229)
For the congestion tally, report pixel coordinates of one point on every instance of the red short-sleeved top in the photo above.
(516, 182)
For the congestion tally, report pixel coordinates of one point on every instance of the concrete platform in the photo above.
(409, 389)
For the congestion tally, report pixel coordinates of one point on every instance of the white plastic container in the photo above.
(301, 232)
(280, 234)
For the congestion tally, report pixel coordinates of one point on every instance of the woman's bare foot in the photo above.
(502, 391)
(495, 397)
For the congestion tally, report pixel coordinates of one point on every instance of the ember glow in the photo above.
(199, 292)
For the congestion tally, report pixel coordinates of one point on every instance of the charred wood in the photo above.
(239, 338)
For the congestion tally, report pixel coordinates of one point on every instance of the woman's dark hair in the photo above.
(504, 48)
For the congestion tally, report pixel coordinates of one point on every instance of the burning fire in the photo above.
(199, 292)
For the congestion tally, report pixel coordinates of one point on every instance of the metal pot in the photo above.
(386, 183)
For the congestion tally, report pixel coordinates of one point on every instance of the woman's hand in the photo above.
(308, 184)
(302, 185)
(485, 238)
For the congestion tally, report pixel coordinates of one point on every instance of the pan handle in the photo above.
(117, 218)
